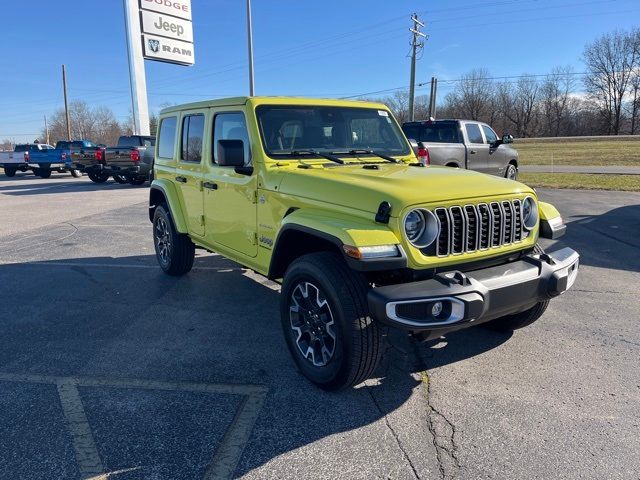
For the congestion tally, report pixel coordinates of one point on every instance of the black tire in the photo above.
(98, 177)
(511, 172)
(121, 179)
(10, 172)
(179, 255)
(75, 173)
(43, 172)
(508, 323)
(355, 341)
(137, 180)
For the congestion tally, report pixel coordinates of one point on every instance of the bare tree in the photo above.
(517, 103)
(610, 61)
(96, 124)
(555, 94)
(474, 96)
(6, 145)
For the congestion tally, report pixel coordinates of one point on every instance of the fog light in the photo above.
(436, 309)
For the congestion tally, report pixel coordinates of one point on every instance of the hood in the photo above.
(401, 185)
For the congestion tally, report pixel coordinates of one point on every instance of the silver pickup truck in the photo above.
(464, 144)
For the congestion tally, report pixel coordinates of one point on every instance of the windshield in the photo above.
(289, 129)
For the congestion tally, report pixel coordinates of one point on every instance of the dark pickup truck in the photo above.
(128, 162)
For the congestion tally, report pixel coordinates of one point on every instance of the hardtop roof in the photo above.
(237, 101)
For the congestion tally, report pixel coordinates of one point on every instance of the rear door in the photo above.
(230, 195)
(188, 174)
(477, 149)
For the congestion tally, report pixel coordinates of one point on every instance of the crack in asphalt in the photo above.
(442, 430)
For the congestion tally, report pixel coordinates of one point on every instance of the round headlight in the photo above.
(421, 227)
(529, 213)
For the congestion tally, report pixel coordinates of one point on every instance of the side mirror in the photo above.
(230, 153)
(506, 139)
(414, 146)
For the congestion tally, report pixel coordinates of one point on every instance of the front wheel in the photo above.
(326, 323)
(511, 173)
(98, 177)
(75, 173)
(10, 172)
(175, 251)
(43, 172)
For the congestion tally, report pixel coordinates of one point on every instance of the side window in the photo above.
(489, 134)
(231, 126)
(192, 135)
(167, 137)
(473, 133)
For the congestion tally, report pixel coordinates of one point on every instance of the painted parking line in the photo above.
(224, 460)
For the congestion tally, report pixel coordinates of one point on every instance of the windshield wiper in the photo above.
(370, 152)
(328, 156)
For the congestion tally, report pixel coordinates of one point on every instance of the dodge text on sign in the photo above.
(177, 8)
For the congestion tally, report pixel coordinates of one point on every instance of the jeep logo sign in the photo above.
(175, 8)
(167, 50)
(166, 26)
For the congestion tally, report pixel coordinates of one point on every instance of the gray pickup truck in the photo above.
(464, 144)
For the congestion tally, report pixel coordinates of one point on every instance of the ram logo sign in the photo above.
(167, 50)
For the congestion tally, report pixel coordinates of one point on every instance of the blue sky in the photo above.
(325, 48)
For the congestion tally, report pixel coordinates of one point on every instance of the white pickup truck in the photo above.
(18, 160)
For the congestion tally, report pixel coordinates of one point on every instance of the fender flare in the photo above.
(172, 199)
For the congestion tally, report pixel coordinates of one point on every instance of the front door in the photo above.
(496, 162)
(230, 193)
(477, 150)
(188, 176)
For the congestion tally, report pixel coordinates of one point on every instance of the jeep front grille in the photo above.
(478, 227)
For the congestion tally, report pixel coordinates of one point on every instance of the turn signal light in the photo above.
(135, 156)
(99, 155)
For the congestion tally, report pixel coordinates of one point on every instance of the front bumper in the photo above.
(475, 297)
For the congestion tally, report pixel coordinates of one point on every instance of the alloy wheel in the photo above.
(312, 323)
(163, 240)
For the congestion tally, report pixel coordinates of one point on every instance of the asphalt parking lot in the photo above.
(111, 369)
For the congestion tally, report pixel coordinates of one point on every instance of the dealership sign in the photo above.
(167, 31)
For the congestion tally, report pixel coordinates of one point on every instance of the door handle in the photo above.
(210, 185)
(472, 152)
(181, 179)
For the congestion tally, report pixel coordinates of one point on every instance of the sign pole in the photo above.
(137, 77)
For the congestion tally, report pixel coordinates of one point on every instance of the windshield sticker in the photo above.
(383, 113)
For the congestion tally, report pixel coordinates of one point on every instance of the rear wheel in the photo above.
(43, 172)
(10, 172)
(75, 173)
(326, 323)
(175, 251)
(137, 180)
(98, 177)
(512, 172)
(515, 321)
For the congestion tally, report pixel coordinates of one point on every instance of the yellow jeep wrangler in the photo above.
(328, 198)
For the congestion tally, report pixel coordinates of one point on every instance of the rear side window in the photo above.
(167, 137)
(434, 133)
(489, 134)
(473, 132)
(231, 126)
(192, 135)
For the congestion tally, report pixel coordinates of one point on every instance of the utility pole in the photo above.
(250, 43)
(432, 98)
(66, 104)
(46, 130)
(416, 44)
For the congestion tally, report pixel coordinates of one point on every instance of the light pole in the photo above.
(250, 42)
